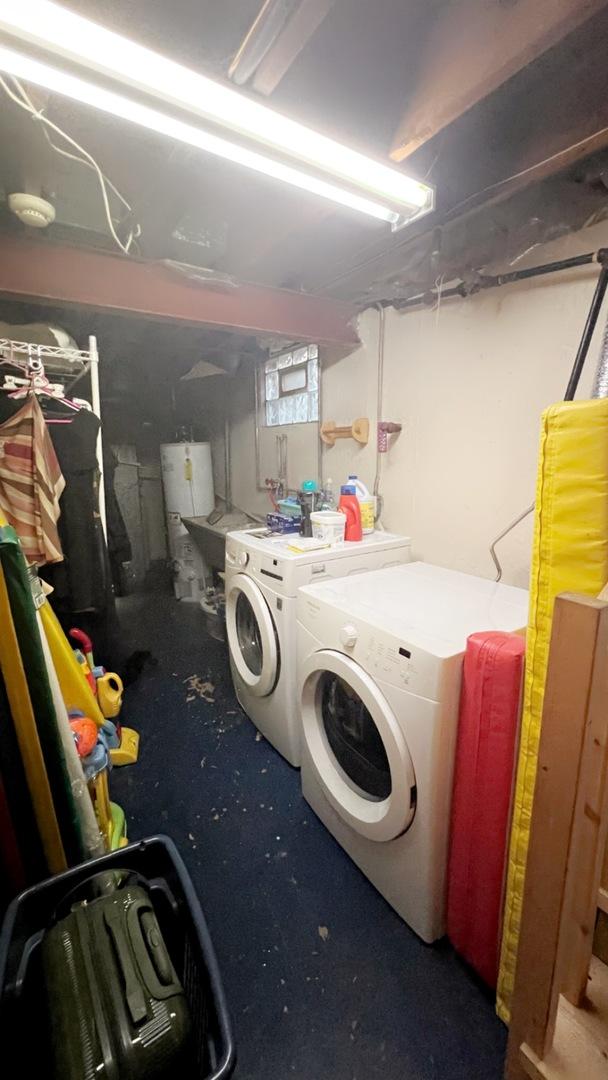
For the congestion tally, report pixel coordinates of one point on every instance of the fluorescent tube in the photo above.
(67, 37)
(59, 82)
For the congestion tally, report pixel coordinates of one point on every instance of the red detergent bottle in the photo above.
(349, 505)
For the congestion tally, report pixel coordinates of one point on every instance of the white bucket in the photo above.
(328, 526)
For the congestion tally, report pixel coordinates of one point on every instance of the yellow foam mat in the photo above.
(570, 554)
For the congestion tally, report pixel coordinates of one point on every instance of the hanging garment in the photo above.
(119, 545)
(84, 594)
(80, 581)
(31, 483)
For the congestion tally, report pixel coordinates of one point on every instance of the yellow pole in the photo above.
(20, 703)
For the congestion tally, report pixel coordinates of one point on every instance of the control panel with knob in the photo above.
(243, 558)
(348, 636)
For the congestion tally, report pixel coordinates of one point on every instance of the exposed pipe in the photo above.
(227, 465)
(320, 443)
(600, 382)
(256, 397)
(592, 317)
(379, 396)
(493, 281)
(282, 444)
(501, 536)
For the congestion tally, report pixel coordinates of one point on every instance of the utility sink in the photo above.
(210, 538)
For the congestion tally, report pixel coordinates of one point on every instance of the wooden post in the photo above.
(588, 843)
(578, 650)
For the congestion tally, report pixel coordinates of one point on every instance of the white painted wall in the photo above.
(302, 454)
(468, 383)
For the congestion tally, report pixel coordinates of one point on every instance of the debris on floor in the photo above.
(323, 933)
(201, 687)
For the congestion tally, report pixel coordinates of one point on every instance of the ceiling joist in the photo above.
(474, 47)
(293, 38)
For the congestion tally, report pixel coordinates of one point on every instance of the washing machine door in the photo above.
(252, 635)
(358, 751)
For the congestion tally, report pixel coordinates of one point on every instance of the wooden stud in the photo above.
(580, 1046)
(589, 833)
(475, 46)
(579, 628)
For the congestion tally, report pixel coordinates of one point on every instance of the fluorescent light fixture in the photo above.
(82, 60)
(60, 82)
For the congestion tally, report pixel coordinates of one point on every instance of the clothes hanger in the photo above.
(39, 384)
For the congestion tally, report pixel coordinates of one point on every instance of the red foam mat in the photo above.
(483, 776)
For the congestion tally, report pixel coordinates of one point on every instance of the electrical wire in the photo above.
(88, 160)
(501, 536)
(524, 172)
(454, 211)
(24, 102)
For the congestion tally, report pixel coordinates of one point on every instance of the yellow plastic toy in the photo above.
(128, 751)
(111, 816)
(109, 694)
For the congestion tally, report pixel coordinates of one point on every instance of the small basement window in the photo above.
(290, 387)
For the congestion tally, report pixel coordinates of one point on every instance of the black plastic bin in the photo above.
(184, 928)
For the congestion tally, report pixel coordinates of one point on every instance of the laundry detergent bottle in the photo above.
(367, 503)
(349, 505)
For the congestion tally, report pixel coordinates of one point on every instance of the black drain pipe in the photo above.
(492, 281)
(592, 317)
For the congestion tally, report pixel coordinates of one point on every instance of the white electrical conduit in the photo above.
(600, 382)
(379, 403)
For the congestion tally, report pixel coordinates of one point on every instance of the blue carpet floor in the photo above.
(324, 981)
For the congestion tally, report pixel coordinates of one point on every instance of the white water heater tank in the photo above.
(188, 489)
(187, 478)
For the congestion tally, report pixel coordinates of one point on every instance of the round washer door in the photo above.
(358, 750)
(251, 635)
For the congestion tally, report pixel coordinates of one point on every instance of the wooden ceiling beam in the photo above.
(474, 47)
(548, 157)
(292, 39)
(63, 276)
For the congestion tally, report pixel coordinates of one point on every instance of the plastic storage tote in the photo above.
(181, 920)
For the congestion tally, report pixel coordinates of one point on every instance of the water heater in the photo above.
(188, 489)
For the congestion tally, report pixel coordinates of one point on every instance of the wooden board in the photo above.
(580, 1046)
(588, 844)
(476, 45)
(578, 623)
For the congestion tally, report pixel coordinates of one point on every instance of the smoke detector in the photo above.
(31, 210)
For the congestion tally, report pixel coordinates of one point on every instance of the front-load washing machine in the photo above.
(262, 580)
(379, 671)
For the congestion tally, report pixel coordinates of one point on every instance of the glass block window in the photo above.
(290, 385)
